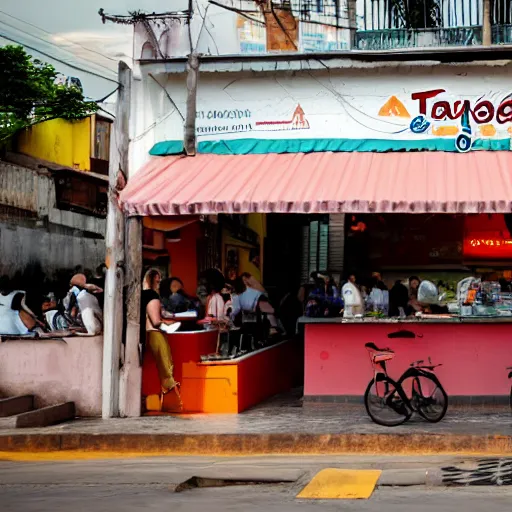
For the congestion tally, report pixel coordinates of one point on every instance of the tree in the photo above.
(29, 94)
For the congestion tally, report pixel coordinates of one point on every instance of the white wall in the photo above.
(339, 104)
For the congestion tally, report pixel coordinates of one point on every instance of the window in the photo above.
(318, 246)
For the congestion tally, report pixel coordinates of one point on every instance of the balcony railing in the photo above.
(502, 34)
(391, 39)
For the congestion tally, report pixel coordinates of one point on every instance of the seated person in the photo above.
(54, 314)
(215, 304)
(250, 300)
(251, 282)
(174, 298)
(16, 319)
(82, 306)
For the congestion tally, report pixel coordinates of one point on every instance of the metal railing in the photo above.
(396, 38)
(502, 34)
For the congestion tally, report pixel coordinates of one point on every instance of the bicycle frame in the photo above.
(381, 375)
(409, 373)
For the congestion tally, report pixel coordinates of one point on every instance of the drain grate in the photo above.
(481, 472)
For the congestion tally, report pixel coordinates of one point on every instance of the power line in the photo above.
(65, 38)
(72, 66)
(49, 42)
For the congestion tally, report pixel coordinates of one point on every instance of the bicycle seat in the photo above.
(379, 355)
(374, 348)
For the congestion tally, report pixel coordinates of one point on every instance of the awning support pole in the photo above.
(130, 386)
(114, 279)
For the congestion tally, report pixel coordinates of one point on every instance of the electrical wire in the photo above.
(62, 37)
(204, 26)
(72, 66)
(50, 43)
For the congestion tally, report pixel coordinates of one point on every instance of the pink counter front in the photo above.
(474, 355)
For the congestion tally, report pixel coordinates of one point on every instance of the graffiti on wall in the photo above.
(229, 121)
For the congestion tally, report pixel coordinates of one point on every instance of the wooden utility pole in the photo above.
(131, 372)
(114, 281)
(487, 25)
(190, 120)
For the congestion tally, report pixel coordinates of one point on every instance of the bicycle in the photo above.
(386, 400)
(510, 377)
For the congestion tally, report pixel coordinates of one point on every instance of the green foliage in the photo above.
(29, 95)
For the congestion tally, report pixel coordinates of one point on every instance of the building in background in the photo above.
(53, 198)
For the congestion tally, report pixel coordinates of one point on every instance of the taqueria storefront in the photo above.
(447, 158)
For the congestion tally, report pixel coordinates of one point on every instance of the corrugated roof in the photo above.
(441, 182)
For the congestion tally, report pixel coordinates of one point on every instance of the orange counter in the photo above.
(234, 386)
(185, 347)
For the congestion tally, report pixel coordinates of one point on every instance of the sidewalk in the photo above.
(279, 426)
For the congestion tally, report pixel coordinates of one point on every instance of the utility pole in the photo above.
(115, 259)
(189, 137)
(487, 25)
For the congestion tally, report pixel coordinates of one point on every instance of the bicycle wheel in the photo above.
(429, 398)
(384, 405)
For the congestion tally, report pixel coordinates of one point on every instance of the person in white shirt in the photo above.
(16, 319)
(87, 308)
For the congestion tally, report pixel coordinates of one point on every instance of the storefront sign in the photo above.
(303, 111)
(486, 237)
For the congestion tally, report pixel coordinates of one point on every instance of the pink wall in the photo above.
(54, 371)
(474, 356)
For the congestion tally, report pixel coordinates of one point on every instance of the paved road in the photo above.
(146, 484)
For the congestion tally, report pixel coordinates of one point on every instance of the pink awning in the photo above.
(474, 182)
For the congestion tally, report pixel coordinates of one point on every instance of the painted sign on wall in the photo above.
(338, 110)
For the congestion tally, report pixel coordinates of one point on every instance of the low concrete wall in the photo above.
(59, 370)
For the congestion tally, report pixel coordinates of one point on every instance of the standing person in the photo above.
(414, 284)
(152, 326)
(398, 300)
(324, 299)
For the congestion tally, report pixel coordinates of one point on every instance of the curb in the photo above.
(260, 444)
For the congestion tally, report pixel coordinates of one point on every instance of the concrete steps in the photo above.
(19, 412)
(16, 405)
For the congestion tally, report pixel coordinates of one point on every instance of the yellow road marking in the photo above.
(70, 455)
(341, 484)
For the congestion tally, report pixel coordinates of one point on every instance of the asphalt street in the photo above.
(148, 484)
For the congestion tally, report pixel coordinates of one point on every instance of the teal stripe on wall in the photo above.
(264, 146)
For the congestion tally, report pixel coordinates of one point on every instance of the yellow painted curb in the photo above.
(71, 455)
(341, 484)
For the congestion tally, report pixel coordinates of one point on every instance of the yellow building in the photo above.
(237, 252)
(83, 145)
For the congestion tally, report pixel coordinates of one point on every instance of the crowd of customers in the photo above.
(321, 296)
(33, 305)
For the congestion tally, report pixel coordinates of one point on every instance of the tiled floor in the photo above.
(286, 414)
